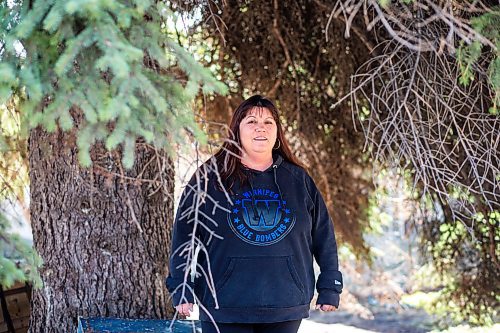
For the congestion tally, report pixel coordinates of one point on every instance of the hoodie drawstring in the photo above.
(254, 203)
(255, 213)
(275, 167)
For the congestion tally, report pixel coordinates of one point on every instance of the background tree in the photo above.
(105, 94)
(279, 49)
(419, 78)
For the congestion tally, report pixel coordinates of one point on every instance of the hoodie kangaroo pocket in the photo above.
(260, 282)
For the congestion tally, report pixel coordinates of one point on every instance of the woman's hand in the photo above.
(184, 309)
(326, 307)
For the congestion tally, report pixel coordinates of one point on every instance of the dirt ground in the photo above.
(409, 321)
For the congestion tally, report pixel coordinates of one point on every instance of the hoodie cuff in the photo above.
(328, 296)
(330, 280)
(174, 286)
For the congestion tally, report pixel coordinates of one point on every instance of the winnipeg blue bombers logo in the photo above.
(263, 220)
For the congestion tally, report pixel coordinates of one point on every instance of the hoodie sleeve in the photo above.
(181, 241)
(329, 284)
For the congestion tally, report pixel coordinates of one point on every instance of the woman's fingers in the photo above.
(184, 309)
(179, 310)
(326, 307)
(188, 307)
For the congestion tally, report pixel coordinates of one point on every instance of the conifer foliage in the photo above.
(18, 261)
(91, 54)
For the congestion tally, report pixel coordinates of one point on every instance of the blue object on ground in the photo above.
(115, 325)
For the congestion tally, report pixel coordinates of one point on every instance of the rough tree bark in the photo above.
(86, 228)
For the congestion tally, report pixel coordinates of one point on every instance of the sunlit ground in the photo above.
(308, 326)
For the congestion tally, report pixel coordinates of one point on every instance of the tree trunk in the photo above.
(85, 224)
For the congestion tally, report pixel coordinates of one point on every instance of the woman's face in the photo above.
(258, 131)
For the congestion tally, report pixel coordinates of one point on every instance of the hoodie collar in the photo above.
(277, 160)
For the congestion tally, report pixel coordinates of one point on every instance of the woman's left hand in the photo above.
(326, 307)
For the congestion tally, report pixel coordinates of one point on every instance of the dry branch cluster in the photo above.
(420, 114)
(422, 118)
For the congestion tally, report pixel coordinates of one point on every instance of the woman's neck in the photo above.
(260, 163)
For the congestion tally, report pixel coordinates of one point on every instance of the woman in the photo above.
(260, 221)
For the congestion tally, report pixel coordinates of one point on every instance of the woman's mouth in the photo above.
(260, 138)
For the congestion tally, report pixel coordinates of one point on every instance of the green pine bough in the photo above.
(18, 260)
(58, 55)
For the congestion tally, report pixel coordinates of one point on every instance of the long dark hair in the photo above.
(228, 157)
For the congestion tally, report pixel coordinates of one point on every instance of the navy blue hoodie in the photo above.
(262, 269)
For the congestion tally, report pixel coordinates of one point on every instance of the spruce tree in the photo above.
(105, 96)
